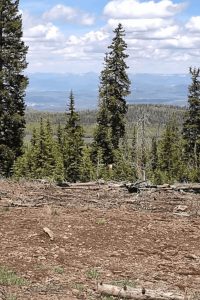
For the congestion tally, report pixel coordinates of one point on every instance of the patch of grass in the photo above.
(101, 221)
(8, 277)
(103, 298)
(78, 286)
(5, 208)
(93, 273)
(41, 266)
(59, 270)
(55, 212)
(11, 297)
(124, 282)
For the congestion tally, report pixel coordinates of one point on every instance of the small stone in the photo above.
(191, 256)
(75, 292)
(62, 250)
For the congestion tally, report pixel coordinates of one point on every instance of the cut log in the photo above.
(137, 293)
(189, 188)
(89, 188)
(84, 184)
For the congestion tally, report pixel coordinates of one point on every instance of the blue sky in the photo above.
(163, 36)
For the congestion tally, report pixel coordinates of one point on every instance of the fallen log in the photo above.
(127, 292)
(89, 188)
(85, 184)
(189, 188)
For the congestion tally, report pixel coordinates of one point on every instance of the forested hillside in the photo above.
(156, 117)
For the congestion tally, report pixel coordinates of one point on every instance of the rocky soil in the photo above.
(100, 233)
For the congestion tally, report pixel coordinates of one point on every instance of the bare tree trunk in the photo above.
(195, 155)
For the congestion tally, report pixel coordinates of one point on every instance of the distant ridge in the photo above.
(49, 91)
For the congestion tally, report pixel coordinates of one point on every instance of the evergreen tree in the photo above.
(118, 85)
(101, 168)
(60, 137)
(102, 135)
(154, 154)
(87, 169)
(154, 171)
(42, 158)
(135, 151)
(124, 167)
(12, 84)
(23, 164)
(34, 137)
(170, 153)
(191, 126)
(143, 161)
(114, 87)
(73, 143)
(46, 151)
(134, 146)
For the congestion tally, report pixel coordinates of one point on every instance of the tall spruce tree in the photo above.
(73, 143)
(118, 85)
(12, 84)
(191, 126)
(114, 87)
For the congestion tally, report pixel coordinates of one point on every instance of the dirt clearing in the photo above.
(100, 233)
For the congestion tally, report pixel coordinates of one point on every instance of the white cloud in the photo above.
(47, 32)
(166, 32)
(95, 36)
(153, 31)
(68, 14)
(193, 25)
(86, 47)
(145, 21)
(136, 9)
(87, 19)
(140, 25)
(183, 42)
(153, 34)
(43, 38)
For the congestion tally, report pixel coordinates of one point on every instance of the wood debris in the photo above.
(137, 293)
(49, 233)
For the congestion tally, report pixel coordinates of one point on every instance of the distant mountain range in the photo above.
(50, 91)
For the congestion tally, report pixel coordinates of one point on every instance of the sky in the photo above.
(72, 36)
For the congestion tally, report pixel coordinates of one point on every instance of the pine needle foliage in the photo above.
(42, 158)
(170, 167)
(191, 126)
(12, 85)
(72, 143)
(114, 88)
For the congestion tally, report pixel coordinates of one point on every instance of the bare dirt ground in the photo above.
(101, 233)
